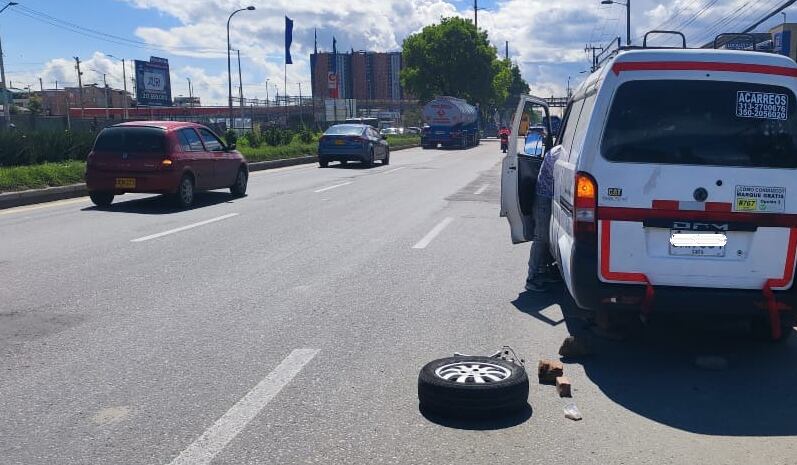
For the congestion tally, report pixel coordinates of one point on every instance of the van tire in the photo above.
(437, 395)
(101, 199)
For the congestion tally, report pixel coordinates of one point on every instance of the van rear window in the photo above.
(702, 123)
(131, 139)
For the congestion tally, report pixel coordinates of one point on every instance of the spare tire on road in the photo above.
(472, 387)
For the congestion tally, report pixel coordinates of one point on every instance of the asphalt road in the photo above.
(289, 327)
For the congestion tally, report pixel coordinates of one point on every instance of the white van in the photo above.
(675, 185)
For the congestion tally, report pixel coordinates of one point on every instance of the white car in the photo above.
(674, 185)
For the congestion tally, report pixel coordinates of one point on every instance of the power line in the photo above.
(94, 34)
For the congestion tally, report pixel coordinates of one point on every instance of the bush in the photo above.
(253, 139)
(231, 137)
(18, 148)
(305, 136)
(275, 136)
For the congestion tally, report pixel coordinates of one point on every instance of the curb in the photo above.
(49, 194)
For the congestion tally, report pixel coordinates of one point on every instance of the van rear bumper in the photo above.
(591, 293)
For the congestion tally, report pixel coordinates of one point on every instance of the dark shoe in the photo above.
(535, 285)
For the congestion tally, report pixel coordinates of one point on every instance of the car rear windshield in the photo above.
(344, 130)
(702, 123)
(131, 139)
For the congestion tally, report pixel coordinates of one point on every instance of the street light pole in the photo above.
(124, 84)
(6, 109)
(301, 109)
(627, 6)
(190, 93)
(229, 63)
(267, 104)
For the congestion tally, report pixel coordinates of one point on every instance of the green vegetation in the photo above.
(17, 178)
(57, 169)
(454, 58)
(35, 147)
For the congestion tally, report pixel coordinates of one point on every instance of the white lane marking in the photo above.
(481, 189)
(333, 187)
(429, 237)
(183, 228)
(56, 203)
(393, 170)
(215, 438)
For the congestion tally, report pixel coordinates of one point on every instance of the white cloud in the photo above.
(546, 38)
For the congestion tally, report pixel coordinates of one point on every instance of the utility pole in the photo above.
(476, 14)
(267, 104)
(41, 85)
(80, 87)
(240, 87)
(190, 93)
(6, 106)
(506, 50)
(107, 101)
(301, 109)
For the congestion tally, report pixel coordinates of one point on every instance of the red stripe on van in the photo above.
(788, 269)
(617, 68)
(666, 204)
(718, 206)
(774, 220)
(606, 243)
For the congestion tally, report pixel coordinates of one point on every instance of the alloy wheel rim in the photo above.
(185, 191)
(473, 373)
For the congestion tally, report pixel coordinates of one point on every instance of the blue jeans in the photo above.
(539, 248)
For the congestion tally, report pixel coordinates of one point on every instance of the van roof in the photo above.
(702, 55)
(680, 59)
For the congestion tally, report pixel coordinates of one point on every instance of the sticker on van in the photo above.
(760, 199)
(763, 105)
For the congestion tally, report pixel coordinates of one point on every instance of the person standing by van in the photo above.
(539, 257)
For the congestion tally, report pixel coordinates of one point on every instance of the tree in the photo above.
(450, 58)
(508, 84)
(35, 105)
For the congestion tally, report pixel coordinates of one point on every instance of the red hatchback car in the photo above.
(162, 157)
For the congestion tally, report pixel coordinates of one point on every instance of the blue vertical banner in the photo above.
(288, 40)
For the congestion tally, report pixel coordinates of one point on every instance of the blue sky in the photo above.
(546, 38)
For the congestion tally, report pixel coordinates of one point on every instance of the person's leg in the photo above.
(539, 248)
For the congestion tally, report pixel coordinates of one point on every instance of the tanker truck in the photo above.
(451, 122)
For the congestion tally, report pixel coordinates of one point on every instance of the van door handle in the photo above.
(513, 168)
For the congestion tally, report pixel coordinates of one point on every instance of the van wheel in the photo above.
(101, 199)
(185, 192)
(323, 164)
(472, 386)
(241, 180)
(761, 329)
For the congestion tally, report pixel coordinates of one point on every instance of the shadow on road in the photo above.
(653, 372)
(355, 165)
(162, 204)
(485, 424)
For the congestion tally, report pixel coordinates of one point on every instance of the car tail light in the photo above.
(585, 207)
(356, 139)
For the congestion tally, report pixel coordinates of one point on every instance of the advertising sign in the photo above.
(153, 86)
(332, 84)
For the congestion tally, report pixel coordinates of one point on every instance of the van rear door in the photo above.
(696, 184)
(519, 170)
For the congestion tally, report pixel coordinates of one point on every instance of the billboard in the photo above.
(153, 86)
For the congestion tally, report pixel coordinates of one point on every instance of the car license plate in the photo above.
(697, 244)
(339, 142)
(125, 183)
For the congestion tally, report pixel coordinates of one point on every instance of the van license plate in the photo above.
(125, 183)
(697, 244)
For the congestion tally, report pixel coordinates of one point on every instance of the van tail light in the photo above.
(585, 207)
